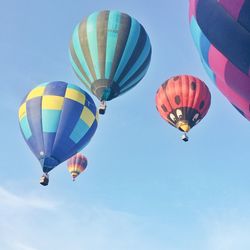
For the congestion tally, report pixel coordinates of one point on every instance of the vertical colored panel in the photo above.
(141, 59)
(55, 88)
(92, 41)
(78, 71)
(102, 27)
(24, 124)
(132, 83)
(86, 138)
(208, 70)
(33, 108)
(125, 24)
(196, 32)
(112, 35)
(80, 54)
(50, 120)
(79, 131)
(70, 115)
(204, 46)
(130, 46)
(49, 138)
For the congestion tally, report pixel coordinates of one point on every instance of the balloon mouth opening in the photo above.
(183, 126)
(105, 89)
(48, 163)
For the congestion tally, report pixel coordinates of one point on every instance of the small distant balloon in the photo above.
(77, 164)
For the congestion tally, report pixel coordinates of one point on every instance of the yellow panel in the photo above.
(22, 111)
(87, 116)
(75, 95)
(52, 102)
(35, 92)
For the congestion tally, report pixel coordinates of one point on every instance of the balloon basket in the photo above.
(44, 180)
(185, 137)
(102, 108)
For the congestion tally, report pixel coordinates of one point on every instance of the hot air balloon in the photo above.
(221, 31)
(110, 53)
(183, 101)
(77, 164)
(57, 120)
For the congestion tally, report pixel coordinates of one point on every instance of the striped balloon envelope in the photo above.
(221, 32)
(77, 164)
(57, 120)
(110, 53)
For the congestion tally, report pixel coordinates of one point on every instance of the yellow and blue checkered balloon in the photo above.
(57, 120)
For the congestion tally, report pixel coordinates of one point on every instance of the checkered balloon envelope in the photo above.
(57, 120)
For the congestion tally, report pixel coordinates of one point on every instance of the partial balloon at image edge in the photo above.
(224, 50)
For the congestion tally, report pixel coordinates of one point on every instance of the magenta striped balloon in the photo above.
(221, 32)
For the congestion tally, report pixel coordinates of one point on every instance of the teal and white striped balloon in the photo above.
(110, 53)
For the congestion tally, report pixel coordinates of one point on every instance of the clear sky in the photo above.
(144, 188)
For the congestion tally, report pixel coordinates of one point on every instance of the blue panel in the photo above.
(209, 71)
(79, 131)
(141, 59)
(55, 88)
(224, 33)
(92, 41)
(50, 120)
(112, 35)
(130, 46)
(48, 143)
(24, 124)
(204, 45)
(196, 32)
(33, 108)
(73, 148)
(132, 83)
(69, 117)
(86, 139)
(64, 151)
(136, 53)
(79, 53)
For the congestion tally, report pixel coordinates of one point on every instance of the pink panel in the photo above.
(192, 8)
(232, 6)
(235, 79)
(235, 99)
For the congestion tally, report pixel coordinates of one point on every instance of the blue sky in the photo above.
(144, 188)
